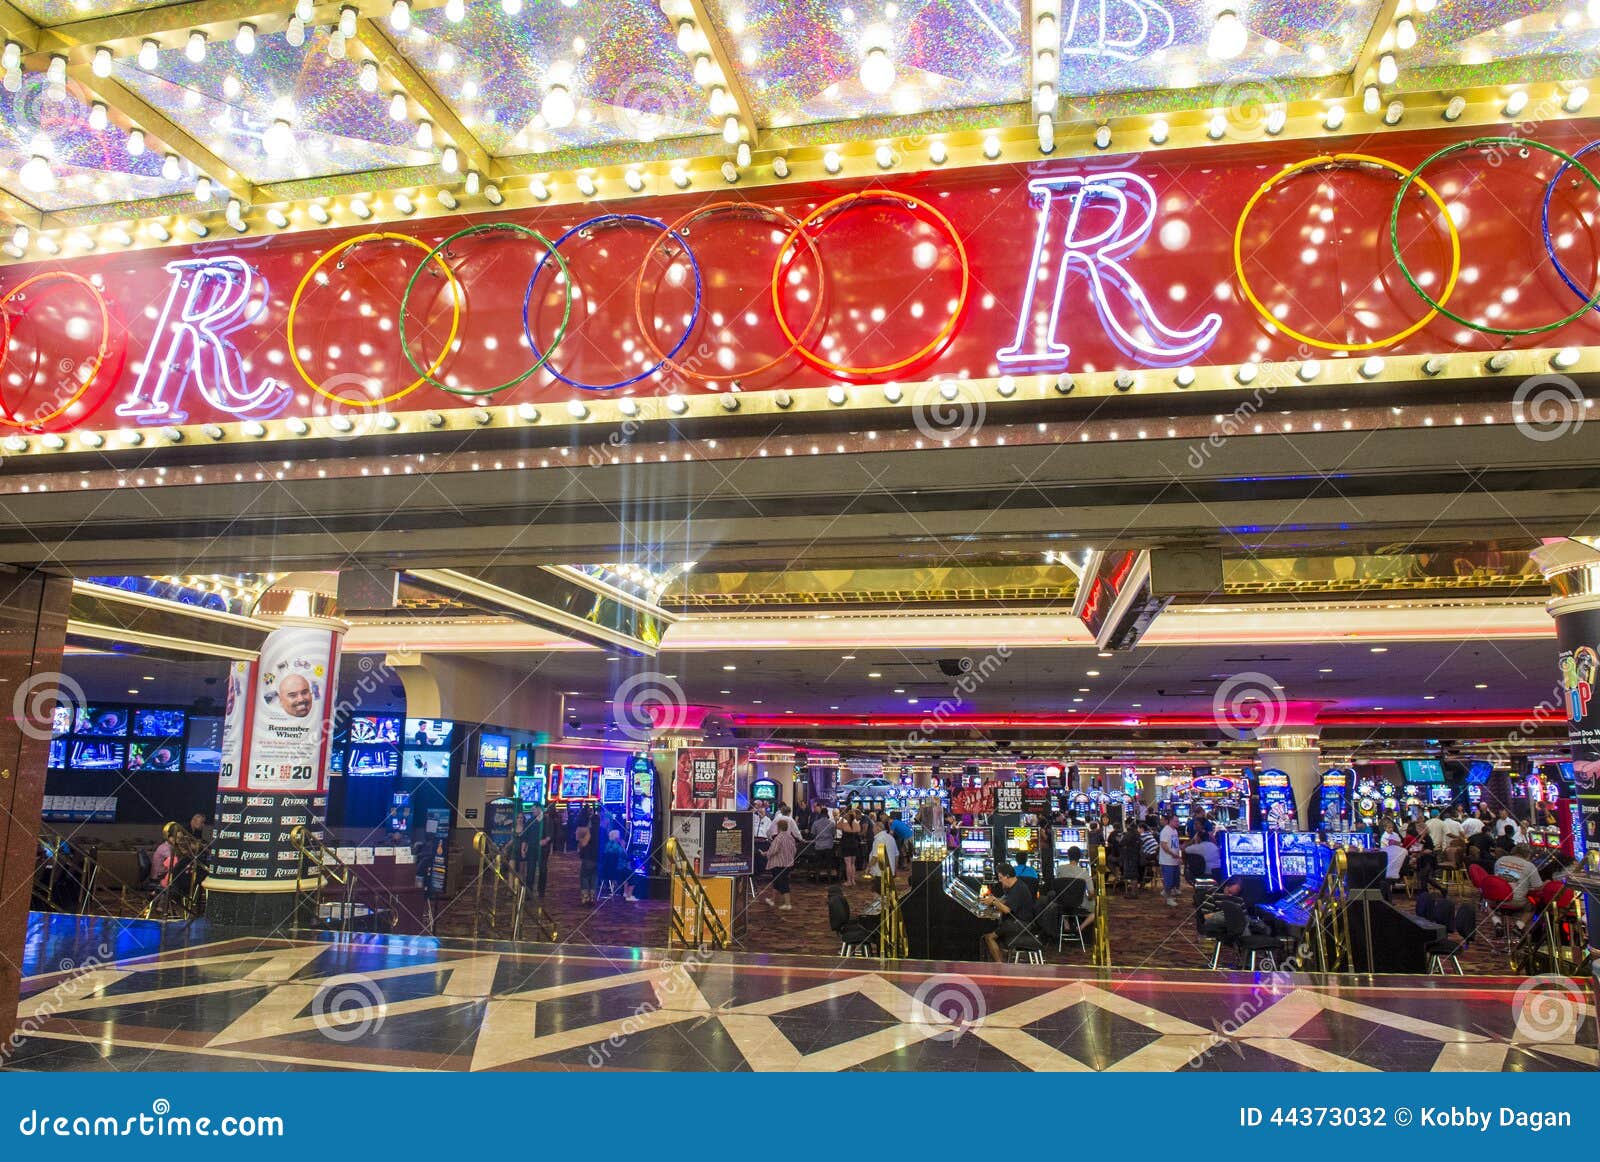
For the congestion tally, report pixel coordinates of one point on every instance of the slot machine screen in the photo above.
(1297, 854)
(101, 722)
(425, 764)
(613, 786)
(1441, 796)
(1244, 853)
(97, 756)
(530, 788)
(203, 754)
(158, 723)
(428, 732)
(61, 721)
(154, 756)
(494, 755)
(577, 782)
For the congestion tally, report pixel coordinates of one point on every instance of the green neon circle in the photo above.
(561, 331)
(1394, 232)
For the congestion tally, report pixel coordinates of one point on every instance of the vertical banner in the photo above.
(705, 779)
(235, 725)
(1578, 635)
(289, 710)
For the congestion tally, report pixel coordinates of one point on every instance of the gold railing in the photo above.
(318, 858)
(1102, 912)
(498, 871)
(1330, 921)
(183, 884)
(703, 921)
(892, 941)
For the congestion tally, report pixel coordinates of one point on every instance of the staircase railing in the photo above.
(701, 925)
(318, 858)
(1101, 956)
(1330, 922)
(66, 862)
(892, 941)
(499, 880)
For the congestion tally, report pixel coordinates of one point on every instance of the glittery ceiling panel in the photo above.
(1113, 46)
(617, 60)
(1471, 32)
(87, 166)
(228, 102)
(65, 11)
(801, 59)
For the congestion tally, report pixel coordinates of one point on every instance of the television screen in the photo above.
(1422, 770)
(97, 756)
(613, 788)
(577, 782)
(433, 732)
(158, 723)
(494, 755)
(61, 720)
(367, 760)
(1478, 772)
(336, 760)
(154, 756)
(58, 753)
(204, 753)
(1441, 796)
(101, 721)
(425, 764)
(375, 728)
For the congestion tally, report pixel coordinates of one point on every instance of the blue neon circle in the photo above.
(1544, 226)
(694, 316)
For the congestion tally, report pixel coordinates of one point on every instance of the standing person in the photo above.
(849, 843)
(588, 837)
(1170, 858)
(612, 856)
(547, 842)
(823, 838)
(1132, 861)
(525, 848)
(1199, 825)
(885, 852)
(780, 862)
(1393, 845)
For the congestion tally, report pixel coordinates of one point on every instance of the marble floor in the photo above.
(118, 995)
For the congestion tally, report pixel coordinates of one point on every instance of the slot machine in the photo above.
(1275, 801)
(1333, 800)
(1063, 840)
(975, 854)
(1244, 853)
(1021, 841)
(641, 820)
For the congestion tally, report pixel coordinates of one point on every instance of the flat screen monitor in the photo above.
(58, 753)
(1297, 854)
(494, 755)
(97, 756)
(158, 723)
(1244, 853)
(375, 728)
(1422, 770)
(577, 782)
(204, 753)
(614, 786)
(101, 721)
(61, 720)
(154, 756)
(428, 732)
(1478, 772)
(425, 764)
(1441, 796)
(372, 760)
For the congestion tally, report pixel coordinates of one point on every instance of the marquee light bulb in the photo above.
(149, 54)
(686, 36)
(1334, 118)
(1517, 102)
(98, 116)
(303, 9)
(511, 7)
(1046, 30)
(397, 106)
(680, 177)
(1405, 33)
(830, 161)
(1370, 98)
(1576, 99)
(295, 33)
(634, 180)
(1045, 66)
(136, 143)
(101, 65)
(400, 15)
(558, 108)
(11, 55)
(202, 188)
(450, 160)
(938, 152)
(1388, 69)
(56, 71)
(1456, 107)
(1047, 133)
(455, 11)
(36, 175)
(195, 48)
(474, 181)
(347, 21)
(1158, 132)
(170, 169)
(877, 70)
(368, 76)
(424, 134)
(1228, 36)
(1102, 137)
(244, 40)
(278, 140)
(730, 130)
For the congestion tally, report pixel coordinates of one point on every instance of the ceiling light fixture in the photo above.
(244, 39)
(195, 48)
(1228, 36)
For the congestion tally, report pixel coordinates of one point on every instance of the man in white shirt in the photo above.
(1471, 826)
(1435, 829)
(1170, 859)
(1394, 849)
(1452, 828)
(1518, 871)
(885, 852)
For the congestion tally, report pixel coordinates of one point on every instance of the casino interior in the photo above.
(1103, 488)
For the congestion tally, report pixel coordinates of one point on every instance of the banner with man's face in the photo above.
(289, 710)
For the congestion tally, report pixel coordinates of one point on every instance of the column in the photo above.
(275, 738)
(33, 630)
(1572, 567)
(1288, 742)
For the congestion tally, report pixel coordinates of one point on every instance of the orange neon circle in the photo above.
(6, 416)
(839, 204)
(681, 229)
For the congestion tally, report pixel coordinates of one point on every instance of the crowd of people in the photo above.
(1456, 838)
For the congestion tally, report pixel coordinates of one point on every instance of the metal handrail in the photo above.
(1543, 937)
(184, 847)
(685, 879)
(892, 940)
(499, 870)
(1102, 912)
(329, 868)
(1332, 919)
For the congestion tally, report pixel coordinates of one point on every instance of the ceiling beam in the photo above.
(146, 116)
(18, 26)
(397, 67)
(1381, 26)
(20, 213)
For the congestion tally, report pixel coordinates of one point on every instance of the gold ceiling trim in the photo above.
(652, 416)
(519, 185)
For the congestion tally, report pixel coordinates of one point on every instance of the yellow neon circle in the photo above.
(1325, 159)
(455, 318)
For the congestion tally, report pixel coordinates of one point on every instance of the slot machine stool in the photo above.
(1025, 944)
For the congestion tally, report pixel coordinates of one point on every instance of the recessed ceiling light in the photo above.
(147, 677)
(724, 691)
(133, 691)
(755, 702)
(899, 689)
(1377, 707)
(1105, 653)
(1427, 697)
(874, 674)
(1083, 689)
(848, 657)
(612, 658)
(1380, 649)
(1326, 670)
(1093, 673)
(911, 701)
(833, 708)
(1481, 686)
(730, 667)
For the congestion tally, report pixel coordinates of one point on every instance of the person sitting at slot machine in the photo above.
(1214, 920)
(1015, 906)
(1207, 849)
(1025, 871)
(1199, 825)
(1075, 870)
(1394, 849)
(1517, 869)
